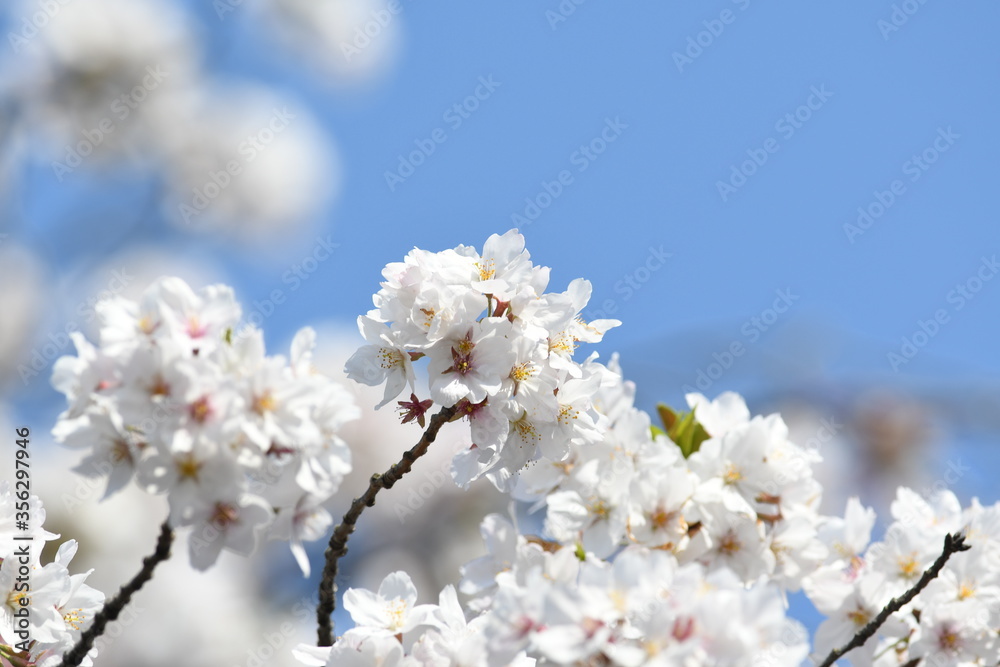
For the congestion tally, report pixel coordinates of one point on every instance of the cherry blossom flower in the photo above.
(41, 614)
(391, 610)
(172, 398)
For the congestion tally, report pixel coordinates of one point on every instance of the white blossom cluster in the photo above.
(535, 602)
(239, 441)
(498, 346)
(745, 500)
(501, 348)
(662, 546)
(954, 621)
(557, 606)
(45, 608)
(122, 84)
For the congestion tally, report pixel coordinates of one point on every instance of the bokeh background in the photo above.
(796, 202)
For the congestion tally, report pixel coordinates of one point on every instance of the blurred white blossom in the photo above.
(247, 164)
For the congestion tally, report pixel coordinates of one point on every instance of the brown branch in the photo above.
(338, 541)
(953, 543)
(112, 609)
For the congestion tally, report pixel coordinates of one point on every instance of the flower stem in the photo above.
(15, 659)
(338, 541)
(112, 609)
(953, 543)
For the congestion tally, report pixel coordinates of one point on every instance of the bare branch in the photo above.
(112, 609)
(338, 541)
(953, 543)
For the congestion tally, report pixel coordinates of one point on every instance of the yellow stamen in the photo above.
(522, 372)
(201, 410)
(562, 343)
(949, 640)
(526, 430)
(859, 617)
(600, 509)
(14, 599)
(732, 475)
(397, 611)
(188, 467)
(159, 388)
(74, 618)
(567, 413)
(730, 545)
(264, 403)
(908, 567)
(120, 452)
(225, 515)
(390, 357)
(487, 269)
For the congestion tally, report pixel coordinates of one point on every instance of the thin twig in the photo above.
(338, 541)
(953, 543)
(112, 609)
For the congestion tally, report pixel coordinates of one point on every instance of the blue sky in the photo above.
(889, 98)
(740, 139)
(807, 111)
